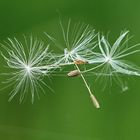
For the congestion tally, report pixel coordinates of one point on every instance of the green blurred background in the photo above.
(68, 114)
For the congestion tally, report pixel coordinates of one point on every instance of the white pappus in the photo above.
(28, 62)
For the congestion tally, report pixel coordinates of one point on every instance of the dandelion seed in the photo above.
(25, 61)
(78, 47)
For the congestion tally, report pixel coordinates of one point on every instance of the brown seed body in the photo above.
(78, 62)
(73, 73)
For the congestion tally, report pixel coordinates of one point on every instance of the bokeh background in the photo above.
(68, 114)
